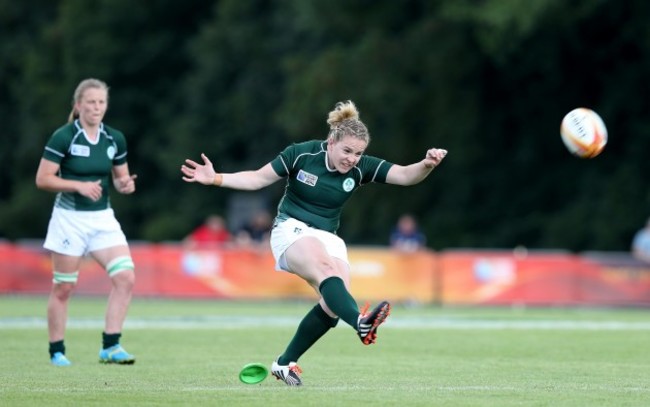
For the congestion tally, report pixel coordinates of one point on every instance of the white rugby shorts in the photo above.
(76, 233)
(286, 232)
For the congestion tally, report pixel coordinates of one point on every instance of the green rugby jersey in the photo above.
(315, 194)
(83, 160)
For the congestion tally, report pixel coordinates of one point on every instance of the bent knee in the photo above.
(326, 267)
(125, 279)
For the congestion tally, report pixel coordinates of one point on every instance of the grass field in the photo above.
(190, 352)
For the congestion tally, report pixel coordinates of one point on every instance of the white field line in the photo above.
(235, 322)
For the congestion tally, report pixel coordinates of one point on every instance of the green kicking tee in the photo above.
(315, 194)
(84, 160)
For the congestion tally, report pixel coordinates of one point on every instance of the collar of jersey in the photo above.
(80, 130)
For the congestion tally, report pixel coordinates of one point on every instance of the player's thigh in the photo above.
(106, 255)
(63, 263)
(309, 258)
(305, 250)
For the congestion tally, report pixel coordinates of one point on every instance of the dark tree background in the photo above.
(489, 80)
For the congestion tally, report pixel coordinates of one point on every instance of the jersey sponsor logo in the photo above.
(307, 178)
(348, 184)
(110, 152)
(79, 150)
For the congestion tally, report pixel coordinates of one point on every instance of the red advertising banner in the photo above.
(511, 278)
(171, 270)
(384, 274)
(467, 277)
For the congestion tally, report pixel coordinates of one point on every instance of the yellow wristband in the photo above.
(218, 179)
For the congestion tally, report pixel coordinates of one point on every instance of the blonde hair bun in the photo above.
(344, 121)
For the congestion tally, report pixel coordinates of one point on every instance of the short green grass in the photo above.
(190, 352)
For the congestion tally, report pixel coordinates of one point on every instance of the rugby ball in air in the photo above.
(583, 132)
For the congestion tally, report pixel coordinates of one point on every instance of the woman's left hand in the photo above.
(433, 157)
(126, 184)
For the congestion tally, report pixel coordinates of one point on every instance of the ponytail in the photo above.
(73, 114)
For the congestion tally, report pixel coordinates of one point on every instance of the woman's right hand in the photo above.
(91, 190)
(195, 172)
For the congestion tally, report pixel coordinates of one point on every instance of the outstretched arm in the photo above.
(414, 173)
(243, 180)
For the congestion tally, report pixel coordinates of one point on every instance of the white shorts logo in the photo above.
(307, 178)
(348, 184)
(79, 150)
(110, 152)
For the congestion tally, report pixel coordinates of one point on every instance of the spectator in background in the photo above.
(256, 233)
(212, 233)
(641, 244)
(406, 235)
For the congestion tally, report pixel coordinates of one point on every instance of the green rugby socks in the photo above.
(312, 327)
(339, 300)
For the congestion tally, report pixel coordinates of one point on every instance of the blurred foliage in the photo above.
(488, 80)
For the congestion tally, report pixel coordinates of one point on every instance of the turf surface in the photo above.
(190, 353)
